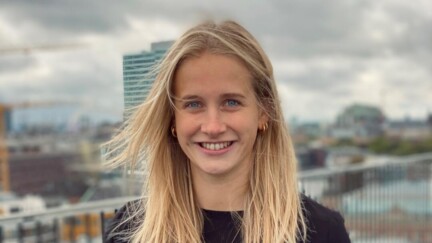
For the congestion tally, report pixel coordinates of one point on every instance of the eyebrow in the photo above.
(233, 95)
(194, 97)
(186, 98)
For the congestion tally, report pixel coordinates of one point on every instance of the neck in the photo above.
(220, 193)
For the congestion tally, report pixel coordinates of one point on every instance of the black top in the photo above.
(324, 225)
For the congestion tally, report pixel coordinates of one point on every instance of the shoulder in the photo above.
(124, 222)
(324, 224)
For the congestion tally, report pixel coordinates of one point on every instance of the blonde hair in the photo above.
(272, 210)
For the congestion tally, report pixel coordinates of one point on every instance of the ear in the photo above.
(263, 119)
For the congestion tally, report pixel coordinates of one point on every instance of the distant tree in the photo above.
(383, 145)
(425, 146)
(404, 148)
(344, 142)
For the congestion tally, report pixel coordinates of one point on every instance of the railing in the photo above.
(82, 222)
(381, 201)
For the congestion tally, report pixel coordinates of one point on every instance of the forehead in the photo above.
(214, 72)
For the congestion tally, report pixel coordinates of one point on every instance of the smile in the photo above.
(215, 146)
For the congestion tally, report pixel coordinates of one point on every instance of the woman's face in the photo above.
(217, 115)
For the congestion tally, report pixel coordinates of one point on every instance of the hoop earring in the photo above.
(264, 127)
(173, 131)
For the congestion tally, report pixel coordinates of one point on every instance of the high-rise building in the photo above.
(137, 78)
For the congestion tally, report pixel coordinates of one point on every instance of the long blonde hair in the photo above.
(272, 210)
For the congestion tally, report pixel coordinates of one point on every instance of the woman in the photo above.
(220, 163)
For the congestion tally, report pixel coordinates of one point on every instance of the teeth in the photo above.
(215, 146)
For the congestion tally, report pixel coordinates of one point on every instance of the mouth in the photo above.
(216, 146)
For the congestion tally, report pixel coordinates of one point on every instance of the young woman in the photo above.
(219, 160)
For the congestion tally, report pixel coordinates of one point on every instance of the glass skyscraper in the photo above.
(137, 79)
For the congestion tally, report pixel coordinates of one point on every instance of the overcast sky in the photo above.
(326, 54)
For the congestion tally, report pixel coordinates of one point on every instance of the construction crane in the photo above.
(5, 109)
(40, 47)
(5, 119)
(4, 164)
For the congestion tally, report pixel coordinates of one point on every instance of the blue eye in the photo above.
(193, 105)
(232, 103)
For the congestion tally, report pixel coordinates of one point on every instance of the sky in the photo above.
(326, 54)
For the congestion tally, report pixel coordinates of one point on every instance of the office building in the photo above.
(137, 79)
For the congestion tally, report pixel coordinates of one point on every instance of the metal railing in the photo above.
(84, 222)
(382, 201)
(386, 200)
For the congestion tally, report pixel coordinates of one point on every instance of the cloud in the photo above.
(325, 54)
(84, 78)
(16, 63)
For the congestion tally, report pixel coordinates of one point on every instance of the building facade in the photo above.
(358, 121)
(137, 76)
(408, 129)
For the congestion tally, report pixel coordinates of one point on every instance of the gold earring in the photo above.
(264, 127)
(173, 131)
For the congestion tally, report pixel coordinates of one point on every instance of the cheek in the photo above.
(245, 121)
(247, 128)
(185, 125)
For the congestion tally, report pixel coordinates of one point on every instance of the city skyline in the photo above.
(326, 55)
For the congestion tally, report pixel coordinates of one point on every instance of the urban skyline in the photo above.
(326, 56)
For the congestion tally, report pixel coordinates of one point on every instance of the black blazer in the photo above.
(324, 225)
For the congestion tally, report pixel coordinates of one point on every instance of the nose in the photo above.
(213, 123)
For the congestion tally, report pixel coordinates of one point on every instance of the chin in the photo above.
(215, 169)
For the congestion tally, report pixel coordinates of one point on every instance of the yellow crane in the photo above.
(4, 164)
(5, 112)
(7, 108)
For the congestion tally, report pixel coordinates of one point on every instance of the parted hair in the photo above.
(170, 213)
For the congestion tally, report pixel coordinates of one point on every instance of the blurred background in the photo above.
(355, 80)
